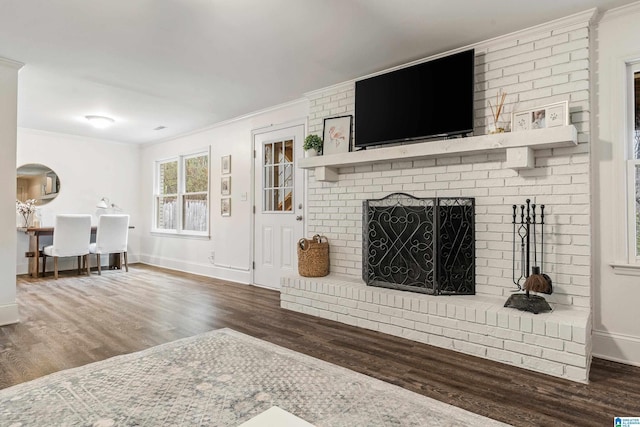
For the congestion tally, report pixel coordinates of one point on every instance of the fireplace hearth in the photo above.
(422, 245)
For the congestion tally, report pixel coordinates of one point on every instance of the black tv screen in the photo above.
(429, 99)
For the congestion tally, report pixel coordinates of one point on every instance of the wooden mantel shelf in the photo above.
(519, 147)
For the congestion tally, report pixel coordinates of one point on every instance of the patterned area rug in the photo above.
(220, 378)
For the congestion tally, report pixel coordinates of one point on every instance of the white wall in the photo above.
(8, 125)
(231, 237)
(88, 169)
(616, 330)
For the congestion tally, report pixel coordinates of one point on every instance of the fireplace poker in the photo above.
(522, 233)
(528, 250)
(538, 281)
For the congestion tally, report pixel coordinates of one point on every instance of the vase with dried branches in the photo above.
(26, 209)
(497, 111)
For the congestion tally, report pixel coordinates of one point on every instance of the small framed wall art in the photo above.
(225, 185)
(546, 116)
(225, 166)
(225, 206)
(337, 135)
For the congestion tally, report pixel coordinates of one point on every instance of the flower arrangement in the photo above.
(495, 113)
(26, 209)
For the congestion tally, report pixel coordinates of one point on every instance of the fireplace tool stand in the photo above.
(527, 277)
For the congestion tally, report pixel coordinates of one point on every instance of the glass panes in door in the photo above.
(277, 183)
(634, 165)
(635, 149)
(637, 207)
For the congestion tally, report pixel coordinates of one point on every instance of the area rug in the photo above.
(220, 378)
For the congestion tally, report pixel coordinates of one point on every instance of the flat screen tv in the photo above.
(426, 100)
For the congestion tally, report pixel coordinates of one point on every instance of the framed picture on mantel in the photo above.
(337, 135)
(546, 116)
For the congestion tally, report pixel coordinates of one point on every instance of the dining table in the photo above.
(35, 252)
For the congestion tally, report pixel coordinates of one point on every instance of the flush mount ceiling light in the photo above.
(100, 122)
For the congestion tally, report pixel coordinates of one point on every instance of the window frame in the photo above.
(181, 195)
(631, 163)
(632, 227)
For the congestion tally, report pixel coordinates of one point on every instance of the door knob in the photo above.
(299, 218)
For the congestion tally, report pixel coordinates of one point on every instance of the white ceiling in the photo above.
(187, 64)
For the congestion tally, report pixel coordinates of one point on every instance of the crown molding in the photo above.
(54, 134)
(338, 87)
(10, 63)
(226, 122)
(586, 17)
(620, 11)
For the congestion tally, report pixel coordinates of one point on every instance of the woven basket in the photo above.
(313, 256)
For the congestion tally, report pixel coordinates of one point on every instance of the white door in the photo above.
(278, 222)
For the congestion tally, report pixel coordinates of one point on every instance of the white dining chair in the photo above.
(71, 237)
(112, 238)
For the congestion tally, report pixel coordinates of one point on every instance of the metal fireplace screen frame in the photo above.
(419, 244)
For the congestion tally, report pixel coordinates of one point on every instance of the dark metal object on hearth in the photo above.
(422, 245)
(527, 277)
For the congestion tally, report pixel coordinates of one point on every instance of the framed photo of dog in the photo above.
(543, 117)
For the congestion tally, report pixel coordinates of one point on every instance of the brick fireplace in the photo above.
(535, 67)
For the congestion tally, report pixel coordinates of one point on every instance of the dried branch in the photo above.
(500, 98)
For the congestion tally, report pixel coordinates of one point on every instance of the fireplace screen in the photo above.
(419, 244)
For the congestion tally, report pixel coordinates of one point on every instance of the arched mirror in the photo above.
(36, 181)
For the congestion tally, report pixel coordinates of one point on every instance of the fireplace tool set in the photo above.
(529, 277)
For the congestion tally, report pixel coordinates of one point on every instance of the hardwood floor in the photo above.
(78, 320)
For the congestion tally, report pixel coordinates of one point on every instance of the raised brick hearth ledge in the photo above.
(556, 343)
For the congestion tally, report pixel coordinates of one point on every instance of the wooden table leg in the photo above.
(115, 261)
(34, 248)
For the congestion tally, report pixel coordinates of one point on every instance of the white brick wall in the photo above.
(536, 69)
(553, 343)
(335, 101)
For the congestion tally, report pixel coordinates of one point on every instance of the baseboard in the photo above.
(616, 347)
(208, 270)
(9, 314)
(22, 268)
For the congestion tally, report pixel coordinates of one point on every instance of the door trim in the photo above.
(267, 129)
